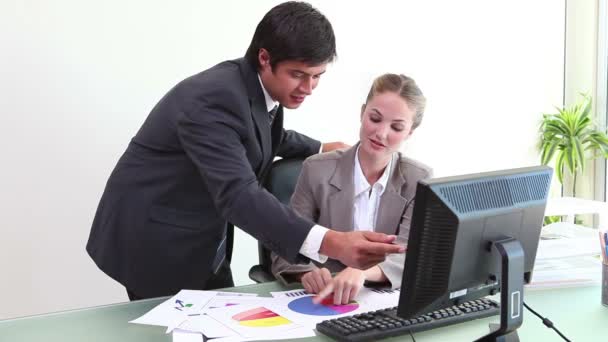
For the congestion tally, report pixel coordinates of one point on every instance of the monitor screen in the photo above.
(455, 222)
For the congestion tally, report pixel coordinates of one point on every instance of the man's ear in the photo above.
(263, 58)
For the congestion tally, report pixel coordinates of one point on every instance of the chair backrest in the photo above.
(281, 182)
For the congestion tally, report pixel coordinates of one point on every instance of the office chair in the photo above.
(281, 182)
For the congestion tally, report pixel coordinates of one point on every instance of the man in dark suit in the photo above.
(195, 166)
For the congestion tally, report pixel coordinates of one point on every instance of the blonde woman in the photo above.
(368, 187)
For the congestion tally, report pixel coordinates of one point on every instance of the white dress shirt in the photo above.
(367, 197)
(312, 243)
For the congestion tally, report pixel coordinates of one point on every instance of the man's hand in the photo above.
(316, 280)
(334, 145)
(359, 249)
(345, 286)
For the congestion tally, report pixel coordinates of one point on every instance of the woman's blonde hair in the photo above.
(405, 87)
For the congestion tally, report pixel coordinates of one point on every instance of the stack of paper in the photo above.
(567, 256)
(185, 314)
(227, 317)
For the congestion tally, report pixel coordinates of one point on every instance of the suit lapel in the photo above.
(259, 112)
(341, 202)
(392, 203)
(277, 130)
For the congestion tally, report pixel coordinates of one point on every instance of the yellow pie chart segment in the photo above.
(266, 322)
(260, 318)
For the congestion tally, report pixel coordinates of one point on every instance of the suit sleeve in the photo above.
(213, 137)
(303, 203)
(294, 144)
(393, 265)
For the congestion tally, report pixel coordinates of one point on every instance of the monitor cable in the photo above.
(546, 322)
(412, 335)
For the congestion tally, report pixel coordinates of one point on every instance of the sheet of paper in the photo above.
(235, 294)
(207, 326)
(298, 306)
(567, 247)
(373, 298)
(211, 328)
(293, 334)
(379, 298)
(186, 336)
(174, 310)
(254, 320)
(290, 293)
(566, 272)
(224, 300)
(303, 311)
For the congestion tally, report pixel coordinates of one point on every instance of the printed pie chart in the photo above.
(304, 305)
(260, 318)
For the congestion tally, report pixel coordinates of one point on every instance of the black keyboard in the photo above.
(374, 325)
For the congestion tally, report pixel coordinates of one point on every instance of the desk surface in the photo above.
(577, 312)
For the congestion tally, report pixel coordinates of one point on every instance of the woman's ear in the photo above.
(409, 134)
(362, 111)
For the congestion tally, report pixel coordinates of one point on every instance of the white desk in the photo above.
(570, 206)
(577, 312)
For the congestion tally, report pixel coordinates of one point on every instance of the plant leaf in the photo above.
(559, 166)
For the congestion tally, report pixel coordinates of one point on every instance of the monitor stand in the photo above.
(511, 257)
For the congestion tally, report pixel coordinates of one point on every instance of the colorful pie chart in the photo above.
(304, 305)
(260, 318)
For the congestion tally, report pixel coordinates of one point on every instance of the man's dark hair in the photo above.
(293, 31)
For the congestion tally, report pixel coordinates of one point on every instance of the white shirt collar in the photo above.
(361, 184)
(270, 103)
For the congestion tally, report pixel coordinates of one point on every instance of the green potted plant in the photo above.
(573, 138)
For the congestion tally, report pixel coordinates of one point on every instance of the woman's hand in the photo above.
(345, 286)
(316, 280)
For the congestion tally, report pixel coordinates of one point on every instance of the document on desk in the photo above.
(186, 336)
(374, 298)
(567, 247)
(172, 312)
(567, 256)
(223, 301)
(204, 324)
(211, 328)
(565, 272)
(226, 317)
(255, 320)
(297, 305)
(379, 298)
(291, 334)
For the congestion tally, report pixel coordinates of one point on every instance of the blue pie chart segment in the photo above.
(304, 305)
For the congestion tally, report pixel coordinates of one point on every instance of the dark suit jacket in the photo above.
(194, 166)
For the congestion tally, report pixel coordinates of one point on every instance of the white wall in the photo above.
(77, 78)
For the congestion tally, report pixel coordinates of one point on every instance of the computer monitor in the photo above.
(472, 236)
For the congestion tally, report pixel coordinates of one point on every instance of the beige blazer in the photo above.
(325, 192)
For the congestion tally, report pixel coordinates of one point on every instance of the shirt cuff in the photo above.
(321, 148)
(312, 244)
